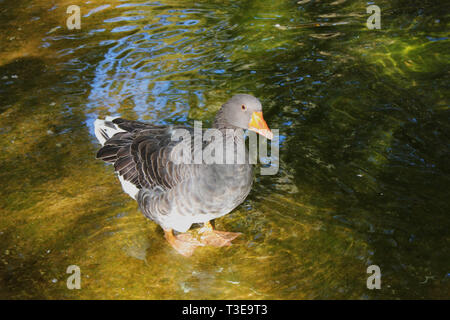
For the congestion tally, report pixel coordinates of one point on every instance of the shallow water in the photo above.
(364, 123)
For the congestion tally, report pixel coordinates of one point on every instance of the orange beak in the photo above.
(258, 125)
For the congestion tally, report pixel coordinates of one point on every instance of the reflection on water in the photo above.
(363, 118)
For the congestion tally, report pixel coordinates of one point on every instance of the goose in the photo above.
(173, 191)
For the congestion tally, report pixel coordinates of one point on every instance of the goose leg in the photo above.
(216, 238)
(183, 243)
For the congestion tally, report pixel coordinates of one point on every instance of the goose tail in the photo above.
(105, 129)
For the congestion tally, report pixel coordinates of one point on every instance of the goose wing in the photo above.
(144, 154)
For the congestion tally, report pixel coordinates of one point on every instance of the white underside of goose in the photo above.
(128, 187)
(183, 223)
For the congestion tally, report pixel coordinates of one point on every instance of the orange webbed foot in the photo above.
(184, 243)
(217, 238)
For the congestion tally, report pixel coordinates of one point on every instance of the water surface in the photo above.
(364, 123)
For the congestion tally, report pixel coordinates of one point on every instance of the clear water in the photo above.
(364, 122)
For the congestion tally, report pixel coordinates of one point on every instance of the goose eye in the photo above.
(243, 107)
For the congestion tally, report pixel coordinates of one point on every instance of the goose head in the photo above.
(244, 111)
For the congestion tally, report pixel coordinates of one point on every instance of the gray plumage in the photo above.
(176, 195)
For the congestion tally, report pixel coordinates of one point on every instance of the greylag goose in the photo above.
(176, 194)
